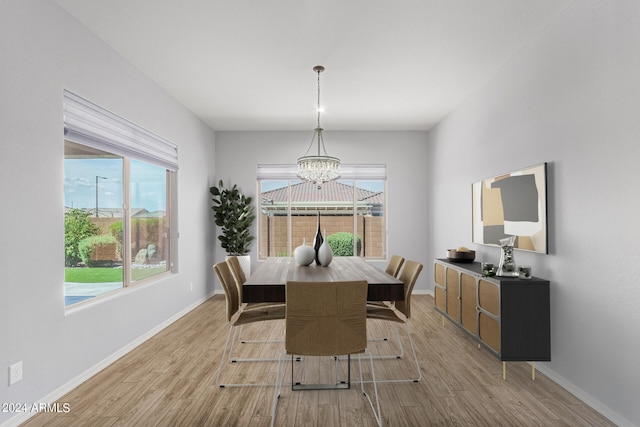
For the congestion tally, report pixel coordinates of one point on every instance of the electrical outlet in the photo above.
(15, 373)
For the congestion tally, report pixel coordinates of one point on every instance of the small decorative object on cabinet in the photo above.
(509, 317)
(462, 254)
(325, 254)
(507, 266)
(524, 272)
(304, 254)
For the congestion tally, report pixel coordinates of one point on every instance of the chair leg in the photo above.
(281, 373)
(376, 408)
(400, 353)
(415, 357)
(236, 337)
(278, 386)
(418, 373)
(226, 353)
(243, 341)
(222, 359)
(384, 338)
(376, 339)
(337, 384)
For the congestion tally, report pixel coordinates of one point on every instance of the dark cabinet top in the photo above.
(475, 268)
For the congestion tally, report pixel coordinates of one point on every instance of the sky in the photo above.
(147, 189)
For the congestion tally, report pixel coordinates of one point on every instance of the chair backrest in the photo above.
(230, 292)
(409, 275)
(395, 262)
(326, 318)
(238, 274)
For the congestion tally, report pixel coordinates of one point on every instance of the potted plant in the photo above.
(234, 214)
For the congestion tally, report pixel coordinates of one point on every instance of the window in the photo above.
(352, 206)
(118, 189)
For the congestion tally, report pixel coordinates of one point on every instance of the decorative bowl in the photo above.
(455, 255)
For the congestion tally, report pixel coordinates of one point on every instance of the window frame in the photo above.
(89, 125)
(352, 172)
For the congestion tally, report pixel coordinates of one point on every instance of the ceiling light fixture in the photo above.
(318, 168)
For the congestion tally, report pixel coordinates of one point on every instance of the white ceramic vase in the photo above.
(304, 254)
(325, 254)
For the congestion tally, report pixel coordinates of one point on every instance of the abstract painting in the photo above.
(512, 204)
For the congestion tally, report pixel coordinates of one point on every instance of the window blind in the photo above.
(353, 171)
(88, 124)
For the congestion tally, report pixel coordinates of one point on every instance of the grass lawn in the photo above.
(102, 274)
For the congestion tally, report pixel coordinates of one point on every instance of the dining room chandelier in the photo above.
(320, 167)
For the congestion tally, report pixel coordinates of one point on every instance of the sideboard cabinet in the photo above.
(508, 316)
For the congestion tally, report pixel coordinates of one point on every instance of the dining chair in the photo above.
(393, 268)
(394, 265)
(237, 317)
(238, 279)
(400, 313)
(326, 319)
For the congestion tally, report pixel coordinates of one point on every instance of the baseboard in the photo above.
(66, 388)
(75, 382)
(593, 403)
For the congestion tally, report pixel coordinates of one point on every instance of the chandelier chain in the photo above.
(321, 167)
(319, 97)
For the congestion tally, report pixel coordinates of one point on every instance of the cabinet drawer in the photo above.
(489, 331)
(469, 308)
(439, 295)
(489, 297)
(438, 272)
(453, 293)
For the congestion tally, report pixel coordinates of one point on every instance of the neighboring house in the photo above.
(331, 198)
(336, 205)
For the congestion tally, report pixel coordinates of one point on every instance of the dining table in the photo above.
(268, 282)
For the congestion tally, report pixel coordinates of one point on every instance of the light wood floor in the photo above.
(170, 380)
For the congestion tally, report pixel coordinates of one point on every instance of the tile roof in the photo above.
(333, 191)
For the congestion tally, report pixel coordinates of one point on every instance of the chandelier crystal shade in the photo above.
(320, 167)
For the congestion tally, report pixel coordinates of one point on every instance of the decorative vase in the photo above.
(304, 254)
(325, 254)
(317, 241)
(507, 267)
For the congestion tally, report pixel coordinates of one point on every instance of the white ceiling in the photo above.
(248, 64)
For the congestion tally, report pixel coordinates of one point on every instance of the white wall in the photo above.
(572, 99)
(404, 153)
(44, 51)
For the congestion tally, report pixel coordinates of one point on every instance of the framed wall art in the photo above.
(512, 204)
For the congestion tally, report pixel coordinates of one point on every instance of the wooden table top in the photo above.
(267, 283)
